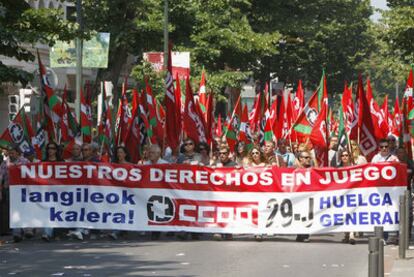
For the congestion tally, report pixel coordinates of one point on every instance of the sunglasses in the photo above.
(383, 146)
(201, 149)
(51, 148)
(223, 153)
(344, 155)
(188, 143)
(305, 157)
(255, 153)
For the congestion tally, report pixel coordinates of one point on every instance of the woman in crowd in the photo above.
(256, 157)
(241, 157)
(53, 154)
(345, 159)
(357, 158)
(204, 151)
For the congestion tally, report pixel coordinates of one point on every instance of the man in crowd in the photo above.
(14, 158)
(304, 162)
(384, 154)
(224, 161)
(272, 158)
(288, 157)
(189, 155)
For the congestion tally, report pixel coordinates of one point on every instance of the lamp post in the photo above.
(79, 47)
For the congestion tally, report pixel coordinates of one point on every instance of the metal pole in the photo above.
(401, 243)
(78, 58)
(407, 219)
(379, 233)
(165, 34)
(373, 245)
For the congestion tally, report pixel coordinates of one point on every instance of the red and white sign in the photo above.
(180, 62)
(202, 199)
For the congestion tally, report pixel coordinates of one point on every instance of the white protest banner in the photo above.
(202, 199)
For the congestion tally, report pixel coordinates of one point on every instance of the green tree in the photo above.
(399, 28)
(21, 25)
(330, 34)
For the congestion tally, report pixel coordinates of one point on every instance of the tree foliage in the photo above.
(399, 28)
(20, 25)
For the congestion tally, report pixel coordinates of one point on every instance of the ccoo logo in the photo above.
(160, 209)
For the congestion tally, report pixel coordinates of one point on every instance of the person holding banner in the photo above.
(76, 153)
(384, 155)
(345, 160)
(224, 161)
(121, 157)
(402, 155)
(52, 155)
(154, 157)
(305, 161)
(189, 156)
(14, 158)
(89, 154)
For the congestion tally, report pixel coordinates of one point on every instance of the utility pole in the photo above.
(79, 47)
(165, 34)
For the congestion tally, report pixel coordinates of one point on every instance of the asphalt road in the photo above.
(138, 256)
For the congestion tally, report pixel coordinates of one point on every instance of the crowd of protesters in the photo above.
(218, 154)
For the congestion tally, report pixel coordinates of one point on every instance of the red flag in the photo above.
(19, 133)
(397, 118)
(86, 119)
(290, 117)
(299, 100)
(244, 130)
(307, 118)
(209, 121)
(405, 132)
(133, 135)
(386, 114)
(51, 108)
(257, 113)
(203, 96)
(173, 130)
(123, 118)
(347, 108)
(367, 140)
(380, 124)
(319, 135)
(219, 128)
(68, 127)
(105, 136)
(152, 116)
(193, 123)
(408, 92)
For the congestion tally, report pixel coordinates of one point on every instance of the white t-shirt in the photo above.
(378, 158)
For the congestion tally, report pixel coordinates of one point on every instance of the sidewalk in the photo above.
(404, 267)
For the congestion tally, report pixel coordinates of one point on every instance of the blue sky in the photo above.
(380, 4)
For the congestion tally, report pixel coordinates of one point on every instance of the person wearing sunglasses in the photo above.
(204, 150)
(384, 154)
(345, 159)
(224, 161)
(305, 161)
(256, 158)
(188, 154)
